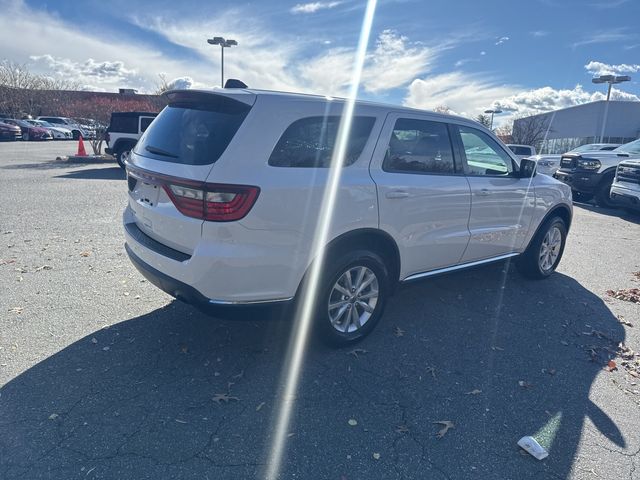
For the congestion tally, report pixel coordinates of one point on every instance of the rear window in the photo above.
(123, 124)
(194, 132)
(309, 142)
(520, 150)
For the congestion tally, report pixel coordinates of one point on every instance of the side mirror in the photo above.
(527, 168)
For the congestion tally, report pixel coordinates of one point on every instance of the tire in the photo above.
(534, 263)
(344, 329)
(603, 196)
(25, 137)
(581, 196)
(122, 155)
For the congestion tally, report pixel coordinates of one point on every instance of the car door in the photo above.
(501, 203)
(424, 198)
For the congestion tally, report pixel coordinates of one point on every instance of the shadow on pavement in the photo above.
(51, 164)
(625, 214)
(113, 173)
(136, 400)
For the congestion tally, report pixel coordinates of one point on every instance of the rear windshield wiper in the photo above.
(159, 151)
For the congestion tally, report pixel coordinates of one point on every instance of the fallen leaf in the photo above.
(353, 422)
(524, 384)
(357, 351)
(402, 429)
(94, 340)
(398, 332)
(223, 397)
(259, 407)
(628, 295)
(180, 421)
(565, 343)
(612, 366)
(86, 253)
(474, 392)
(447, 425)
(184, 348)
(291, 434)
(625, 322)
(239, 375)
(44, 267)
(376, 456)
(53, 416)
(16, 310)
(500, 349)
(7, 262)
(126, 294)
(633, 373)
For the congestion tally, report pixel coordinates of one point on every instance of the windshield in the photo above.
(631, 147)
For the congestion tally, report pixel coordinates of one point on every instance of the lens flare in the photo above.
(304, 314)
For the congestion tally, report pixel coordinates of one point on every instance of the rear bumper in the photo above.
(579, 180)
(190, 295)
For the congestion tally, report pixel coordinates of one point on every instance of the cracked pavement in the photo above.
(103, 376)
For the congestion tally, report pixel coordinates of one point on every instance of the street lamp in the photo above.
(611, 80)
(492, 112)
(223, 44)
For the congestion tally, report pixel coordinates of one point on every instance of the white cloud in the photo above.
(615, 35)
(181, 83)
(313, 7)
(539, 33)
(502, 40)
(106, 72)
(483, 53)
(599, 68)
(463, 93)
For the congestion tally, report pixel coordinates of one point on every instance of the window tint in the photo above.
(192, 132)
(484, 155)
(520, 150)
(144, 123)
(419, 146)
(309, 142)
(123, 124)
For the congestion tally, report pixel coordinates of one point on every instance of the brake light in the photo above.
(207, 201)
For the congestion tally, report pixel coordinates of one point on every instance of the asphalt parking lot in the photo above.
(104, 376)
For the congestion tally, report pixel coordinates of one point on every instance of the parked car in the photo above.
(124, 130)
(9, 132)
(522, 151)
(625, 189)
(89, 125)
(226, 186)
(548, 164)
(58, 133)
(590, 174)
(69, 123)
(30, 132)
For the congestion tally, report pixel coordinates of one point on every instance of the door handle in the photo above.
(397, 194)
(483, 192)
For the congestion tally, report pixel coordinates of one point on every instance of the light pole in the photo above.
(492, 112)
(611, 80)
(223, 44)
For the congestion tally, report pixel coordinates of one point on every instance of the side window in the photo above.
(484, 155)
(419, 146)
(309, 142)
(144, 123)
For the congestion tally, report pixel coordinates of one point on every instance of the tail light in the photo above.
(207, 201)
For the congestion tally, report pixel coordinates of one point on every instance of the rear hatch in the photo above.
(170, 163)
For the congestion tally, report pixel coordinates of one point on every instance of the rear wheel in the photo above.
(123, 155)
(353, 292)
(544, 253)
(603, 194)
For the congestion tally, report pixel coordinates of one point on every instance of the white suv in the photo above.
(226, 187)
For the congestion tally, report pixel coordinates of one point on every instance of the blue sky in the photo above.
(469, 55)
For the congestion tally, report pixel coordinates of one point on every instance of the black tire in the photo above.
(334, 271)
(581, 196)
(603, 194)
(122, 154)
(529, 263)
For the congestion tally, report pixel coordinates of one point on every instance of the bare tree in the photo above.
(484, 120)
(162, 85)
(530, 130)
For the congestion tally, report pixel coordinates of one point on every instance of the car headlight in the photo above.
(589, 164)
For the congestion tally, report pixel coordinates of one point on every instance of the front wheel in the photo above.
(603, 195)
(544, 253)
(353, 292)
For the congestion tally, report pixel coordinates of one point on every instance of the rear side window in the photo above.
(309, 142)
(194, 132)
(144, 123)
(419, 146)
(520, 150)
(123, 124)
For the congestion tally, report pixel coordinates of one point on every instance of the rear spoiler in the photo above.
(211, 96)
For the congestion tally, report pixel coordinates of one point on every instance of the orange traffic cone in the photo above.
(81, 151)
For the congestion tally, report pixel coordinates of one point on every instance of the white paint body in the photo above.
(442, 221)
